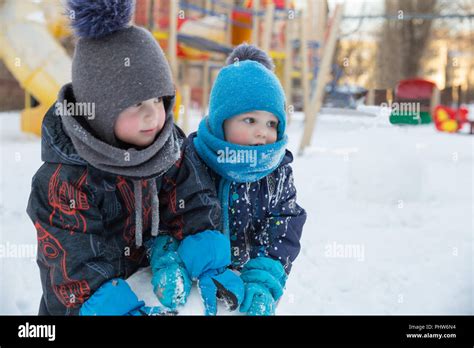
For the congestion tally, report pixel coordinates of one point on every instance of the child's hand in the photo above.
(153, 311)
(221, 284)
(206, 256)
(171, 282)
(258, 300)
(264, 280)
(114, 297)
(205, 251)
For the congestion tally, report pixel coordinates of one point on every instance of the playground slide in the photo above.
(33, 56)
(197, 36)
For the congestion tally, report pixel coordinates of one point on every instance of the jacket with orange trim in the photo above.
(85, 217)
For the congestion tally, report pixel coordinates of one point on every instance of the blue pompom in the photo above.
(92, 19)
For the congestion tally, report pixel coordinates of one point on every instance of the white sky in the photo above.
(374, 7)
(352, 6)
(355, 7)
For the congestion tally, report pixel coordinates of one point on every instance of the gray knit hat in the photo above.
(115, 64)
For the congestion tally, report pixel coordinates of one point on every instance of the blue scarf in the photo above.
(233, 162)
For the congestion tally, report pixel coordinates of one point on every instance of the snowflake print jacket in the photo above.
(264, 218)
(85, 218)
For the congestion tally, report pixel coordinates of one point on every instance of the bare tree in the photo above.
(402, 40)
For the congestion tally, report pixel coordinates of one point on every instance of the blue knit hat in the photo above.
(245, 86)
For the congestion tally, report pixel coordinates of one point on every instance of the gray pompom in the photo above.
(250, 52)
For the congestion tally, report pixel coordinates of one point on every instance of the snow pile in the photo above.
(385, 170)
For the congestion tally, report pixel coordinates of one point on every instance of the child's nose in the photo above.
(261, 132)
(151, 112)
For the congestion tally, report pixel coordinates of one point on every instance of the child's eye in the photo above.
(138, 105)
(158, 100)
(272, 124)
(249, 120)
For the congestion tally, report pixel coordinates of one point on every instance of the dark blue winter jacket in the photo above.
(85, 217)
(264, 218)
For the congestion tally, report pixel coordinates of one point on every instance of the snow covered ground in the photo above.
(389, 229)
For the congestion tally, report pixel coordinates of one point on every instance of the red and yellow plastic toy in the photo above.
(449, 120)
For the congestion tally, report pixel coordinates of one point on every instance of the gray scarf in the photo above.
(147, 164)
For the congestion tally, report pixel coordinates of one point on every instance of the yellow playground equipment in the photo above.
(33, 55)
(29, 47)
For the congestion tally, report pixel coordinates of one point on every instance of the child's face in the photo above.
(251, 128)
(140, 123)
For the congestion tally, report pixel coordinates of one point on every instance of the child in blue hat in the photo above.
(243, 143)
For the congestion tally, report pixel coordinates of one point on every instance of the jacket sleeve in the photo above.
(69, 232)
(285, 219)
(188, 197)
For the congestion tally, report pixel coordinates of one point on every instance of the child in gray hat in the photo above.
(119, 182)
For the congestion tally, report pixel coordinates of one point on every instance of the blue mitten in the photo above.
(115, 297)
(264, 280)
(221, 284)
(258, 300)
(170, 280)
(206, 256)
(152, 311)
(205, 251)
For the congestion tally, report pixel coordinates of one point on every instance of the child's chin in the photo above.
(147, 143)
(141, 143)
(148, 140)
